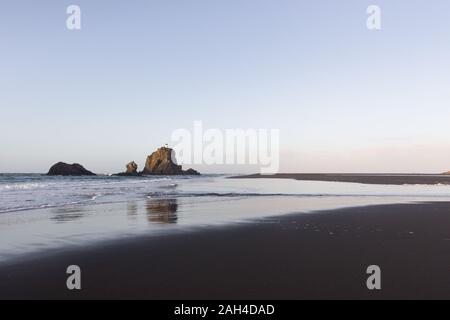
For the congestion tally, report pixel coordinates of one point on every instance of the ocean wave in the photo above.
(233, 194)
(298, 195)
(34, 192)
(22, 186)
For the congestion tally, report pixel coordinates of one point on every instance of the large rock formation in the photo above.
(447, 173)
(163, 162)
(64, 169)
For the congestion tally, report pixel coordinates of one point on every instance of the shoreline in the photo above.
(323, 255)
(363, 178)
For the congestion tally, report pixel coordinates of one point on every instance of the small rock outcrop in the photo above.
(191, 172)
(64, 169)
(131, 170)
(162, 162)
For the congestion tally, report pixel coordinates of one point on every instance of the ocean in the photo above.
(39, 212)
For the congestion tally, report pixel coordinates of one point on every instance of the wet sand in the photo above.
(386, 179)
(322, 255)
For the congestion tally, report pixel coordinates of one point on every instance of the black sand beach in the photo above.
(386, 179)
(299, 256)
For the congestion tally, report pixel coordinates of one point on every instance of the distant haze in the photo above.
(345, 99)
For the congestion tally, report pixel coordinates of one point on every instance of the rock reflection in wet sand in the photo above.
(132, 208)
(67, 214)
(162, 210)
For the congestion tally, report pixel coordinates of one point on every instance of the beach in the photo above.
(364, 178)
(297, 256)
(212, 237)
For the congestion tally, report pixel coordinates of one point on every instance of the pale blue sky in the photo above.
(345, 98)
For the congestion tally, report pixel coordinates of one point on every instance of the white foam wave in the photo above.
(22, 186)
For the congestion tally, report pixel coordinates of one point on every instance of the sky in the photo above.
(345, 99)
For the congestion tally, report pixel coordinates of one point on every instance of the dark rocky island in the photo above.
(65, 169)
(160, 162)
